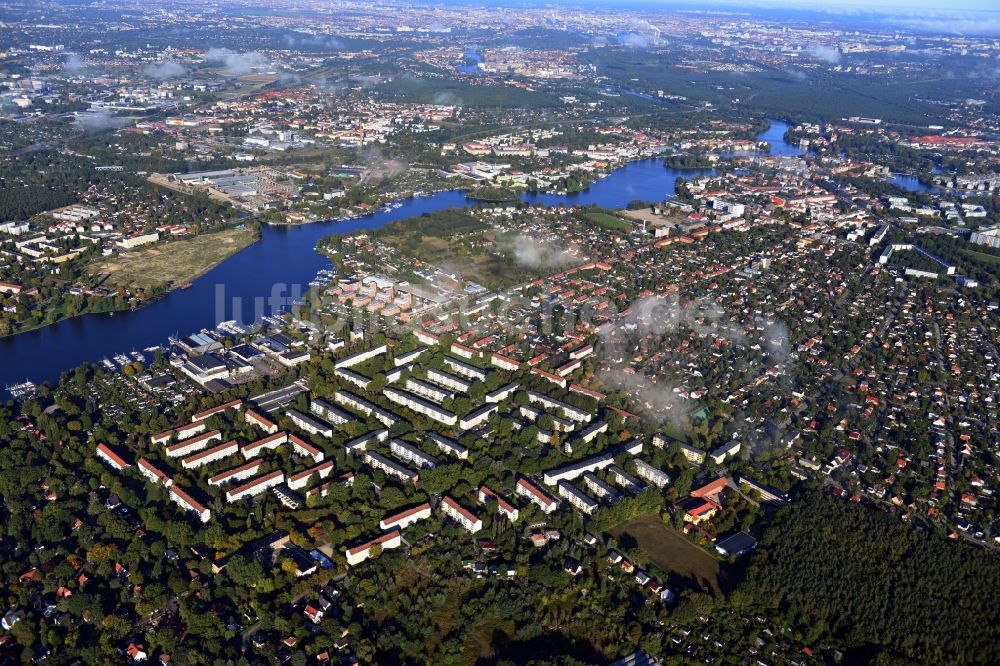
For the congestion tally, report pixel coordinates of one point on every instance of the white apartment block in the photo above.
(420, 405)
(404, 519)
(244, 471)
(645, 471)
(207, 456)
(185, 501)
(576, 497)
(196, 443)
(390, 467)
(301, 479)
(361, 443)
(410, 453)
(271, 442)
(478, 417)
(255, 486)
(537, 496)
(449, 446)
(461, 515)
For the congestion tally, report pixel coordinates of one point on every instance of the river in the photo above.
(283, 256)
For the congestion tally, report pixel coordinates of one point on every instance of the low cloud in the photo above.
(447, 99)
(98, 121)
(74, 64)
(828, 54)
(635, 41)
(237, 64)
(657, 398)
(164, 71)
(379, 168)
(299, 41)
(537, 253)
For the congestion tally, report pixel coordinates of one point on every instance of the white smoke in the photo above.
(74, 64)
(298, 41)
(164, 71)
(378, 168)
(635, 41)
(828, 54)
(537, 253)
(97, 121)
(237, 64)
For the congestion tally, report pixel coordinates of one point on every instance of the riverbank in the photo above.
(167, 266)
(241, 287)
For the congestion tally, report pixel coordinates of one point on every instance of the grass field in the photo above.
(671, 552)
(173, 262)
(608, 221)
(983, 256)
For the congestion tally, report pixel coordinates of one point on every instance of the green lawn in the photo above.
(672, 552)
(608, 221)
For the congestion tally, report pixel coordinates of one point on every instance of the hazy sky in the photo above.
(902, 6)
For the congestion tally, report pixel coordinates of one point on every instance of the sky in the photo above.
(833, 6)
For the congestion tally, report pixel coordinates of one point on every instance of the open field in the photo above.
(607, 221)
(174, 262)
(671, 552)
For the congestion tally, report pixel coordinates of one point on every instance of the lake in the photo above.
(282, 261)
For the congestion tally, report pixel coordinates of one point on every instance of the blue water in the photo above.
(911, 183)
(473, 67)
(284, 259)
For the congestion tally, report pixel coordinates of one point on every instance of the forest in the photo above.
(884, 590)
